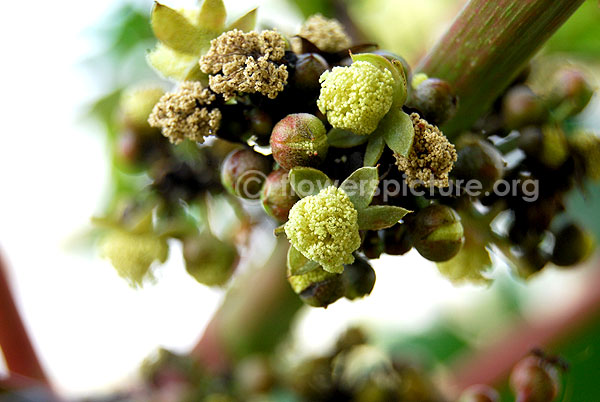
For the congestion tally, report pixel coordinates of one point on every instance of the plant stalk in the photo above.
(487, 46)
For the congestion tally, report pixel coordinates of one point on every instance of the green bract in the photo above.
(185, 35)
(356, 98)
(324, 225)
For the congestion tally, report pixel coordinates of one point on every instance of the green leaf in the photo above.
(339, 138)
(212, 15)
(360, 186)
(308, 181)
(380, 217)
(374, 150)
(246, 22)
(299, 264)
(397, 130)
(175, 65)
(175, 31)
(400, 90)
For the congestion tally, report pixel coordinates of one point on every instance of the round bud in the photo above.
(261, 125)
(309, 67)
(572, 245)
(277, 196)
(325, 292)
(372, 244)
(397, 240)
(572, 90)
(208, 259)
(534, 380)
(479, 393)
(435, 100)
(243, 173)
(359, 279)
(438, 233)
(299, 140)
(479, 160)
(521, 107)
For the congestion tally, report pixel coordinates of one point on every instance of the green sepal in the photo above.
(374, 150)
(175, 65)
(380, 217)
(308, 181)
(175, 31)
(360, 186)
(212, 15)
(246, 22)
(400, 90)
(339, 138)
(279, 230)
(298, 264)
(397, 130)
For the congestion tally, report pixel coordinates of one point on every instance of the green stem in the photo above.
(487, 46)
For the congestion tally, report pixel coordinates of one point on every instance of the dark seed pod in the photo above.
(309, 67)
(243, 173)
(572, 245)
(534, 380)
(359, 279)
(479, 393)
(372, 245)
(435, 100)
(521, 107)
(299, 140)
(438, 233)
(261, 125)
(478, 160)
(323, 293)
(277, 196)
(397, 240)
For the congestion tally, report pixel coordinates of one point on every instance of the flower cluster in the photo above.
(356, 98)
(327, 34)
(431, 157)
(241, 62)
(324, 228)
(184, 114)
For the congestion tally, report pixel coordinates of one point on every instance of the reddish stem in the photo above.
(21, 359)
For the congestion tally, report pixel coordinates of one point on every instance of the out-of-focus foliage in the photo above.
(580, 35)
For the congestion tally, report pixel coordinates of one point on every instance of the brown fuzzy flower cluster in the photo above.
(181, 114)
(241, 62)
(327, 34)
(431, 158)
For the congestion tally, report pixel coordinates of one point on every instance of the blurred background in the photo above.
(92, 330)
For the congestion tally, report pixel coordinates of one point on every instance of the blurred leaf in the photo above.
(580, 35)
(360, 186)
(310, 7)
(246, 22)
(212, 15)
(176, 65)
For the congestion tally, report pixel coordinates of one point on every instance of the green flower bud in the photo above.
(318, 288)
(521, 107)
(478, 160)
(136, 107)
(309, 67)
(572, 245)
(571, 92)
(438, 233)
(479, 393)
(208, 259)
(435, 100)
(534, 380)
(299, 140)
(132, 254)
(397, 240)
(359, 279)
(277, 196)
(243, 173)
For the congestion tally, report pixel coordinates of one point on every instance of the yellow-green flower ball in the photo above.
(357, 97)
(324, 228)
